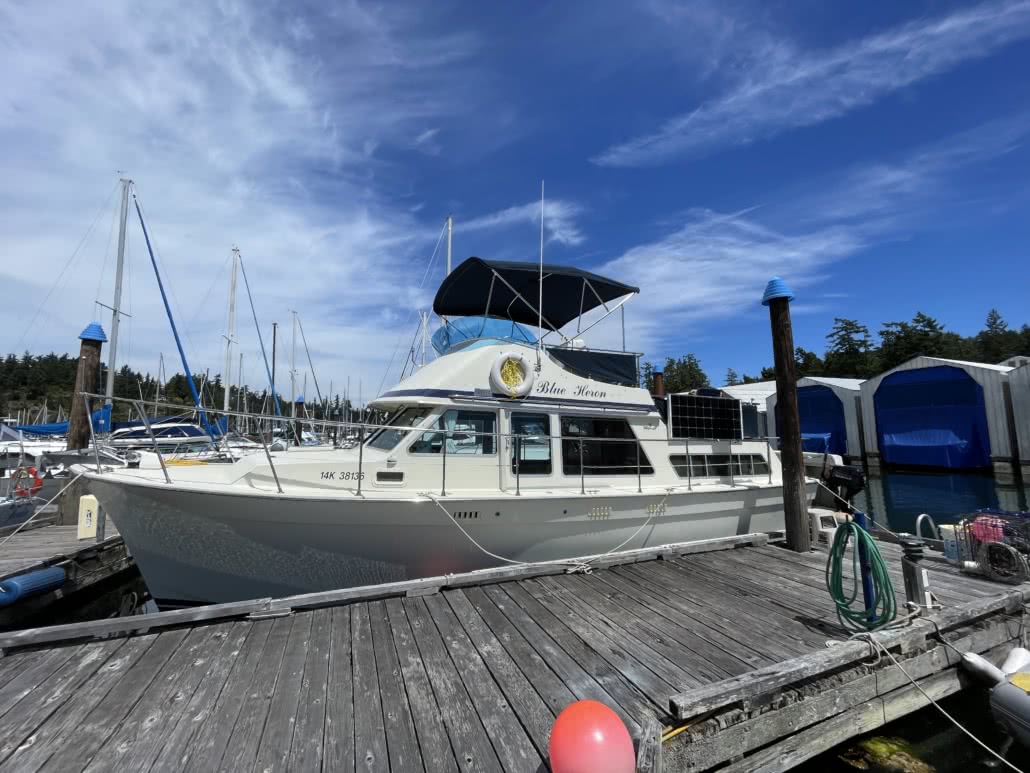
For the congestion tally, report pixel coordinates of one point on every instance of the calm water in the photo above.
(897, 498)
(937, 742)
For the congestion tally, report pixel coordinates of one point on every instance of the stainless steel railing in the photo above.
(366, 430)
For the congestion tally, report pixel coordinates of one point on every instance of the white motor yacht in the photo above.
(497, 450)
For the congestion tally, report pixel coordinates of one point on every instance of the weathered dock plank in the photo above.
(76, 749)
(28, 752)
(729, 637)
(434, 743)
(242, 747)
(338, 751)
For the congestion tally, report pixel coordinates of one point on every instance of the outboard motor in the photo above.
(845, 481)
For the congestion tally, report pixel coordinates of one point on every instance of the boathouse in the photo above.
(1019, 386)
(830, 415)
(754, 394)
(942, 414)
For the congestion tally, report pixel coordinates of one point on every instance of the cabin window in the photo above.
(534, 444)
(468, 433)
(607, 447)
(718, 465)
(386, 439)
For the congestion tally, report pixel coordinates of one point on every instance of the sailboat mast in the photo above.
(275, 332)
(230, 333)
(450, 229)
(293, 368)
(240, 389)
(116, 306)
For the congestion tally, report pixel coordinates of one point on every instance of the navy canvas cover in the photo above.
(823, 429)
(481, 287)
(817, 442)
(932, 417)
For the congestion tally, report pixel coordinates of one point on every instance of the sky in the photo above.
(874, 155)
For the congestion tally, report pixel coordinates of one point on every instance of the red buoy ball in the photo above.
(588, 737)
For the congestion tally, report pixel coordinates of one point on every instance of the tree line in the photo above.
(31, 381)
(852, 352)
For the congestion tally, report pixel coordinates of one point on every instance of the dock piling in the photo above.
(799, 531)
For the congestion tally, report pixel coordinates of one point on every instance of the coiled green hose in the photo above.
(885, 608)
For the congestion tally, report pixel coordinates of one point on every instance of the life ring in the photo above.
(34, 488)
(512, 374)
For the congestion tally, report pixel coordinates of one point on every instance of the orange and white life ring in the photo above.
(33, 488)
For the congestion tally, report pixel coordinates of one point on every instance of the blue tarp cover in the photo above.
(455, 331)
(823, 429)
(932, 417)
(101, 423)
(817, 442)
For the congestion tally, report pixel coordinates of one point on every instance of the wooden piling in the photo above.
(86, 376)
(799, 531)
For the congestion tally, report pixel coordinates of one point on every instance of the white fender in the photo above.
(497, 382)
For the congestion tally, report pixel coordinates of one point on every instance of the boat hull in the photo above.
(203, 546)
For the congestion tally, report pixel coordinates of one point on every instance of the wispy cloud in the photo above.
(788, 88)
(426, 142)
(714, 265)
(270, 129)
(559, 220)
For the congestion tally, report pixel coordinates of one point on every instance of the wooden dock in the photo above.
(42, 543)
(468, 672)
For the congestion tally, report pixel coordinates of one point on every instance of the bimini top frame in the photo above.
(508, 287)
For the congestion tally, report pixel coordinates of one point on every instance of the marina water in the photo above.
(896, 498)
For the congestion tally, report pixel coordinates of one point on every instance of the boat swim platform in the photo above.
(727, 638)
(42, 543)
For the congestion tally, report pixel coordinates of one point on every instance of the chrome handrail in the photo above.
(153, 440)
(366, 430)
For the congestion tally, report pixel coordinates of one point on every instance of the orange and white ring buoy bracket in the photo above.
(34, 488)
(512, 375)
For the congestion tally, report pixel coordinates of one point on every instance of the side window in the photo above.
(467, 433)
(718, 465)
(534, 444)
(606, 447)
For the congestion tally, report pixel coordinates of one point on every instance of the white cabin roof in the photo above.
(758, 392)
(464, 375)
(840, 383)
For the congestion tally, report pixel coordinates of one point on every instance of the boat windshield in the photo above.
(396, 428)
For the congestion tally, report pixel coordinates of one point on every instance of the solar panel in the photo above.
(705, 417)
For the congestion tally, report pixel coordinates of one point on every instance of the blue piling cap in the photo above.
(93, 332)
(776, 288)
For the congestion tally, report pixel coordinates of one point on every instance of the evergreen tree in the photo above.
(732, 379)
(684, 374)
(850, 350)
(996, 342)
(807, 363)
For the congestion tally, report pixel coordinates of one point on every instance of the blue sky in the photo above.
(874, 155)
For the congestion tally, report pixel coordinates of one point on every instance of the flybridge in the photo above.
(531, 294)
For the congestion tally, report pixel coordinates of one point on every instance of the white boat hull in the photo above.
(203, 546)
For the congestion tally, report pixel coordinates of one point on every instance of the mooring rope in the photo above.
(880, 648)
(574, 566)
